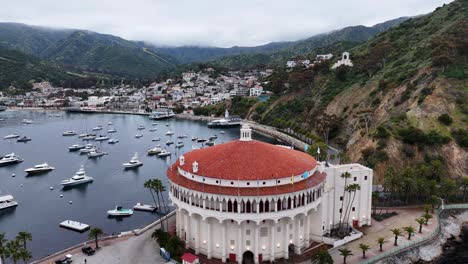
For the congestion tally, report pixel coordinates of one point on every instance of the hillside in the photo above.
(19, 69)
(403, 104)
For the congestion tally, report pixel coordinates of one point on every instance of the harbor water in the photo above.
(41, 207)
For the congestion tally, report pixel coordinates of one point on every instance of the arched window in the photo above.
(235, 207)
(267, 206)
(249, 209)
(278, 205)
(261, 206)
(229, 206)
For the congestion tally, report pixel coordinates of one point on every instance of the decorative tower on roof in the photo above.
(246, 133)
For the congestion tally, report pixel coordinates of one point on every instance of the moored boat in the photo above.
(154, 151)
(119, 211)
(133, 163)
(7, 201)
(69, 133)
(96, 153)
(10, 136)
(40, 168)
(10, 159)
(145, 207)
(113, 141)
(80, 177)
(75, 147)
(164, 153)
(23, 139)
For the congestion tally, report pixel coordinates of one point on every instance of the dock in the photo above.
(74, 225)
(145, 207)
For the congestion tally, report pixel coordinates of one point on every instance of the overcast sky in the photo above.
(210, 22)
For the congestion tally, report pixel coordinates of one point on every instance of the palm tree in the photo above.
(14, 250)
(149, 184)
(322, 257)
(364, 248)
(396, 232)
(421, 221)
(25, 255)
(160, 189)
(352, 189)
(427, 217)
(381, 241)
(345, 252)
(410, 230)
(23, 237)
(95, 233)
(345, 176)
(3, 250)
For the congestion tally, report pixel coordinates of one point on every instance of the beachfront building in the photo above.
(345, 60)
(253, 201)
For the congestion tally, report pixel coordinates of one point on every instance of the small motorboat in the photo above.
(213, 137)
(89, 137)
(195, 147)
(69, 133)
(182, 136)
(97, 128)
(96, 153)
(11, 136)
(133, 163)
(80, 177)
(113, 141)
(194, 138)
(87, 149)
(75, 147)
(179, 144)
(83, 135)
(40, 168)
(119, 211)
(23, 139)
(109, 123)
(10, 159)
(113, 130)
(222, 132)
(138, 135)
(145, 207)
(156, 139)
(164, 153)
(153, 129)
(169, 133)
(210, 143)
(169, 142)
(201, 140)
(154, 124)
(154, 151)
(167, 124)
(101, 138)
(140, 127)
(27, 121)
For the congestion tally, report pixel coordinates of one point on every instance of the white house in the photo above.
(322, 57)
(291, 64)
(345, 60)
(251, 201)
(256, 91)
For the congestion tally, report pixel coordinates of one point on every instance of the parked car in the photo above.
(66, 260)
(88, 250)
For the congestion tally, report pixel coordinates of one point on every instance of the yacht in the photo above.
(182, 136)
(154, 151)
(113, 141)
(89, 137)
(83, 135)
(179, 144)
(145, 207)
(112, 130)
(11, 136)
(227, 121)
(210, 143)
(140, 127)
(169, 142)
(101, 138)
(133, 163)
(97, 128)
(39, 168)
(23, 139)
(222, 132)
(156, 139)
(75, 147)
(164, 153)
(87, 149)
(69, 133)
(213, 137)
(153, 129)
(10, 159)
(80, 177)
(96, 153)
(154, 124)
(2, 108)
(119, 211)
(138, 135)
(7, 201)
(161, 113)
(194, 138)
(109, 123)
(201, 140)
(169, 133)
(26, 121)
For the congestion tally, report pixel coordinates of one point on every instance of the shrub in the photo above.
(381, 133)
(461, 137)
(435, 138)
(372, 157)
(412, 135)
(445, 119)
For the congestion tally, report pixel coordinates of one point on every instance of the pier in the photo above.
(74, 225)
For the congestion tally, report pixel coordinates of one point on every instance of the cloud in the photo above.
(211, 22)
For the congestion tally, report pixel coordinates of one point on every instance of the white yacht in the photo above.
(227, 121)
(154, 124)
(7, 201)
(138, 135)
(133, 163)
(161, 113)
(145, 207)
(27, 121)
(109, 123)
(154, 151)
(11, 136)
(69, 133)
(89, 137)
(164, 153)
(10, 159)
(97, 128)
(169, 133)
(101, 138)
(75, 147)
(182, 136)
(80, 177)
(222, 132)
(96, 153)
(156, 139)
(179, 144)
(140, 127)
(112, 130)
(153, 129)
(83, 135)
(87, 149)
(119, 211)
(44, 167)
(113, 141)
(194, 138)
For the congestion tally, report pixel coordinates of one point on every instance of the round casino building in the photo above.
(251, 201)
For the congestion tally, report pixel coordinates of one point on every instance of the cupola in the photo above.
(182, 160)
(195, 167)
(245, 133)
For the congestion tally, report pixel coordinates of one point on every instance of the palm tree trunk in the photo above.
(152, 194)
(380, 247)
(396, 238)
(420, 228)
(342, 202)
(96, 241)
(354, 196)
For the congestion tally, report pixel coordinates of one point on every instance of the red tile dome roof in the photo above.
(248, 160)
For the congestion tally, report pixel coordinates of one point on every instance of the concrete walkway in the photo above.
(405, 217)
(128, 249)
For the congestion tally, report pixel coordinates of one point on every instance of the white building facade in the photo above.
(247, 199)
